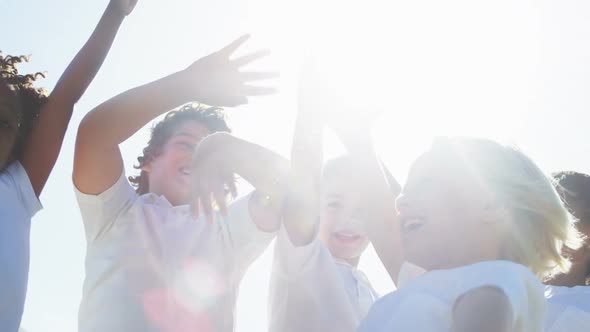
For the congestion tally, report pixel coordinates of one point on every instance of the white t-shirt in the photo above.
(18, 204)
(311, 291)
(568, 309)
(425, 304)
(151, 267)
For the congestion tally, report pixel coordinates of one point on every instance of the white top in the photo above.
(568, 309)
(18, 204)
(311, 291)
(426, 303)
(151, 267)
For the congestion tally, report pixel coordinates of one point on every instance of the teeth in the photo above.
(347, 236)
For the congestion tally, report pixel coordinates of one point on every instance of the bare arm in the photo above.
(213, 80)
(301, 210)
(221, 155)
(380, 192)
(44, 144)
(485, 309)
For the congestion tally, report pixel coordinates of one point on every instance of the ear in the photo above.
(147, 167)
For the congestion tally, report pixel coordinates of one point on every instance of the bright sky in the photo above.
(512, 70)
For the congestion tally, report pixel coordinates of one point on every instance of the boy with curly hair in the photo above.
(150, 264)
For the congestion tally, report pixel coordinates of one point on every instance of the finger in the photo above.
(256, 76)
(246, 59)
(220, 199)
(249, 90)
(194, 198)
(207, 207)
(194, 205)
(233, 46)
(206, 204)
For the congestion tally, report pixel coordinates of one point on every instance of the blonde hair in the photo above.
(539, 225)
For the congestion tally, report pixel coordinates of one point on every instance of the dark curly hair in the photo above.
(574, 186)
(213, 118)
(29, 99)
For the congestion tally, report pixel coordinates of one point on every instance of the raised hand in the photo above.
(217, 80)
(212, 174)
(124, 7)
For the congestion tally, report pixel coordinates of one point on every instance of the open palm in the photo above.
(217, 80)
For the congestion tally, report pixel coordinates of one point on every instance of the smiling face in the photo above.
(342, 215)
(169, 172)
(448, 217)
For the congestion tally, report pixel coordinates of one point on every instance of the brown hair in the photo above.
(213, 118)
(29, 99)
(576, 185)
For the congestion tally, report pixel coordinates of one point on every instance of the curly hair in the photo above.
(574, 186)
(29, 99)
(213, 118)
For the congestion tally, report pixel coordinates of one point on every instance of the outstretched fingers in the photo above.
(233, 46)
(247, 59)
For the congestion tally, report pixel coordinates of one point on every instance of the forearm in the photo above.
(45, 141)
(265, 170)
(301, 209)
(128, 112)
(84, 67)
(380, 193)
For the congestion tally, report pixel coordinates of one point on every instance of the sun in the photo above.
(430, 68)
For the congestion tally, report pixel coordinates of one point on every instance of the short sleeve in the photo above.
(246, 242)
(24, 188)
(523, 289)
(100, 211)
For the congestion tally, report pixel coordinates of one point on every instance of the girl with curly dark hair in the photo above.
(32, 127)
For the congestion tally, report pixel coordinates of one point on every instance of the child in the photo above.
(486, 224)
(568, 297)
(150, 266)
(32, 128)
(315, 283)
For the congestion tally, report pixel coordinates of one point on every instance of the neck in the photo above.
(352, 261)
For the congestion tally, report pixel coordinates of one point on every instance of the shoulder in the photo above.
(15, 183)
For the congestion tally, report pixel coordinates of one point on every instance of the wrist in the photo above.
(114, 11)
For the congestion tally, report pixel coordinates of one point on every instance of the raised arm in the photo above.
(44, 144)
(380, 191)
(213, 80)
(301, 211)
(221, 155)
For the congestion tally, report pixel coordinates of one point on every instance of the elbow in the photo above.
(87, 129)
(300, 234)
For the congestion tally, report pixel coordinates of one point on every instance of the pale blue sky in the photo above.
(513, 70)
